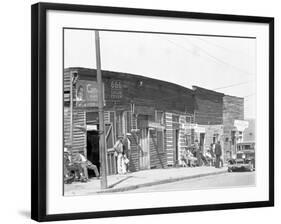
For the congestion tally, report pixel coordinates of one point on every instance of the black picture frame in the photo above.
(39, 108)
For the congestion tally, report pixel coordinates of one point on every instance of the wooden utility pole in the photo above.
(71, 111)
(102, 146)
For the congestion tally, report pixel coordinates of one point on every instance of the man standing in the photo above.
(126, 152)
(197, 151)
(118, 147)
(218, 153)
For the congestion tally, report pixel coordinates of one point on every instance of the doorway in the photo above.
(176, 146)
(144, 149)
(93, 154)
(202, 142)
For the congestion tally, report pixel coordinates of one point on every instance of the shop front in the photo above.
(151, 142)
(131, 108)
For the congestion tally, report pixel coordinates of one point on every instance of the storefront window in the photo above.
(126, 122)
(175, 118)
(232, 137)
(160, 141)
(188, 119)
(109, 136)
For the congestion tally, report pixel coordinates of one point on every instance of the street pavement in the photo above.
(235, 179)
(141, 179)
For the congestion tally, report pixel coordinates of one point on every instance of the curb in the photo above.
(165, 181)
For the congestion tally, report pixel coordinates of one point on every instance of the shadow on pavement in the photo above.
(119, 181)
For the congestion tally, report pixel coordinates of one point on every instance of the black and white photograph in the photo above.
(157, 112)
(140, 112)
(135, 111)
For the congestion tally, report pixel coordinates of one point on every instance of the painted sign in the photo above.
(116, 90)
(241, 125)
(144, 110)
(199, 129)
(189, 126)
(86, 93)
(155, 125)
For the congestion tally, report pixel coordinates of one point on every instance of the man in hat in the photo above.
(218, 153)
(85, 164)
(66, 161)
(118, 147)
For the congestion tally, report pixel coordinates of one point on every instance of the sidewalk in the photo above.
(144, 178)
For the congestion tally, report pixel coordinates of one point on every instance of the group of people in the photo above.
(122, 148)
(76, 167)
(193, 156)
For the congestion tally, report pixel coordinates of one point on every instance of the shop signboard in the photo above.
(87, 93)
(241, 125)
(155, 125)
(189, 126)
(200, 129)
(116, 90)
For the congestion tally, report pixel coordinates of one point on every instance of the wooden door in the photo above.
(144, 149)
(175, 145)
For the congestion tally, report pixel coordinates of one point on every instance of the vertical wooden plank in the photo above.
(169, 138)
(182, 143)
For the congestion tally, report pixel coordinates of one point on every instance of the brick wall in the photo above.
(233, 109)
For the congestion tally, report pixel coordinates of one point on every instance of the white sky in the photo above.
(223, 64)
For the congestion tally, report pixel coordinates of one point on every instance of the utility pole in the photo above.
(102, 146)
(71, 111)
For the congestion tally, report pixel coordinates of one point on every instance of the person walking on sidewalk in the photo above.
(218, 153)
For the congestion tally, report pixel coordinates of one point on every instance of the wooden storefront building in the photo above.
(208, 112)
(218, 117)
(158, 116)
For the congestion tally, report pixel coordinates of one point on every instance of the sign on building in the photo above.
(241, 125)
(87, 93)
(116, 90)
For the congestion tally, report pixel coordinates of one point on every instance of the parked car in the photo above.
(245, 158)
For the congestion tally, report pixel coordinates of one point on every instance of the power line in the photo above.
(219, 46)
(223, 62)
(237, 84)
(250, 95)
(209, 55)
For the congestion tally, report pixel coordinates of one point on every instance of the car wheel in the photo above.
(229, 170)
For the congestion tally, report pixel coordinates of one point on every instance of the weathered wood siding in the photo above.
(233, 109)
(134, 153)
(78, 126)
(79, 139)
(208, 107)
(158, 157)
(142, 91)
(169, 138)
(142, 96)
(182, 142)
